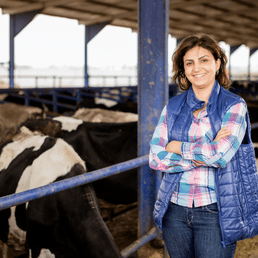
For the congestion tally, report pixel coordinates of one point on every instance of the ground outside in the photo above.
(124, 230)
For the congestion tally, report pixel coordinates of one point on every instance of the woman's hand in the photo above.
(174, 146)
(222, 133)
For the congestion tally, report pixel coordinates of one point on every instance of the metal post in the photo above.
(17, 23)
(86, 74)
(54, 81)
(178, 41)
(36, 82)
(55, 101)
(27, 98)
(231, 51)
(11, 59)
(153, 16)
(90, 32)
(251, 52)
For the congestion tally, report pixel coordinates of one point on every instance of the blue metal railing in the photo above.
(254, 125)
(59, 97)
(152, 234)
(19, 198)
(32, 194)
(55, 81)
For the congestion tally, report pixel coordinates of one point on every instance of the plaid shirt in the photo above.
(197, 183)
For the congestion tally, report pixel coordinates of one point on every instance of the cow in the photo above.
(100, 145)
(98, 115)
(67, 224)
(12, 116)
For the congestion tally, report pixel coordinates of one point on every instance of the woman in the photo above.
(208, 197)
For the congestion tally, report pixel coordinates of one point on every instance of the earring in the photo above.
(217, 72)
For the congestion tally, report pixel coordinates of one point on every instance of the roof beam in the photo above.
(89, 18)
(28, 6)
(23, 9)
(180, 3)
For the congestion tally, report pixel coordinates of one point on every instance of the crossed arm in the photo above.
(175, 146)
(182, 156)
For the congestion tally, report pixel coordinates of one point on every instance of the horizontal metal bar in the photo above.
(71, 89)
(69, 76)
(19, 198)
(49, 102)
(152, 234)
(254, 126)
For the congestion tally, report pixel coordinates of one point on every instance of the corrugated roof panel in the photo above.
(203, 10)
(238, 19)
(231, 6)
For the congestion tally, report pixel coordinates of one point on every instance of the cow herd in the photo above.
(45, 150)
(36, 151)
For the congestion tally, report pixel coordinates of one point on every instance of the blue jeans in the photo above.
(194, 233)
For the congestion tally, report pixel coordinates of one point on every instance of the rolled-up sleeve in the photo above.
(218, 154)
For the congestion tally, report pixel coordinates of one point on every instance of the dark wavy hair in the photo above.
(203, 41)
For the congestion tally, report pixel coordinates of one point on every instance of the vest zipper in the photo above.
(218, 204)
(216, 185)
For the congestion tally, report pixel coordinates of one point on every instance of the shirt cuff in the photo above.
(185, 150)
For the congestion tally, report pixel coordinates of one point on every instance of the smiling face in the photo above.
(200, 68)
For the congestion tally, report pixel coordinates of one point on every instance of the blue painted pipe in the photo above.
(254, 126)
(152, 234)
(19, 198)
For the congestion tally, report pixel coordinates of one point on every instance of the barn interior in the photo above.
(234, 22)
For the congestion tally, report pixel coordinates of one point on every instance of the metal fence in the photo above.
(32, 194)
(55, 81)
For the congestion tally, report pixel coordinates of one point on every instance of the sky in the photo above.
(54, 41)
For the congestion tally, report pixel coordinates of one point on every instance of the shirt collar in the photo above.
(195, 103)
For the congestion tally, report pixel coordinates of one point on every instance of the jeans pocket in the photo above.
(212, 208)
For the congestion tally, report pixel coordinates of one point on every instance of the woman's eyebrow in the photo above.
(198, 58)
(203, 56)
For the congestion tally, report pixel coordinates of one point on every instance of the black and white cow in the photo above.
(67, 224)
(100, 145)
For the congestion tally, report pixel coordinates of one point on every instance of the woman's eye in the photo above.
(204, 60)
(189, 63)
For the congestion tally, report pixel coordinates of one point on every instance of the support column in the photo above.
(231, 51)
(251, 52)
(17, 23)
(153, 22)
(178, 41)
(90, 32)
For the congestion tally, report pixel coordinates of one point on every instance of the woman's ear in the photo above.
(218, 63)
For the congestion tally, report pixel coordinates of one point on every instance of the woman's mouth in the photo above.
(198, 75)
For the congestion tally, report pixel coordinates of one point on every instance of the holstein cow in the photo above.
(12, 116)
(100, 144)
(98, 115)
(62, 225)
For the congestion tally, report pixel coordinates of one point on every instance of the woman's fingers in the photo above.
(198, 163)
(222, 133)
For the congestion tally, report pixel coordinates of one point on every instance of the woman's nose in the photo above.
(196, 67)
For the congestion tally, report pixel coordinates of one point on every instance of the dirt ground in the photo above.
(124, 230)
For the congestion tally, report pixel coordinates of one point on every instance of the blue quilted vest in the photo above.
(236, 184)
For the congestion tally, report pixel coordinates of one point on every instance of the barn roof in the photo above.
(232, 21)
